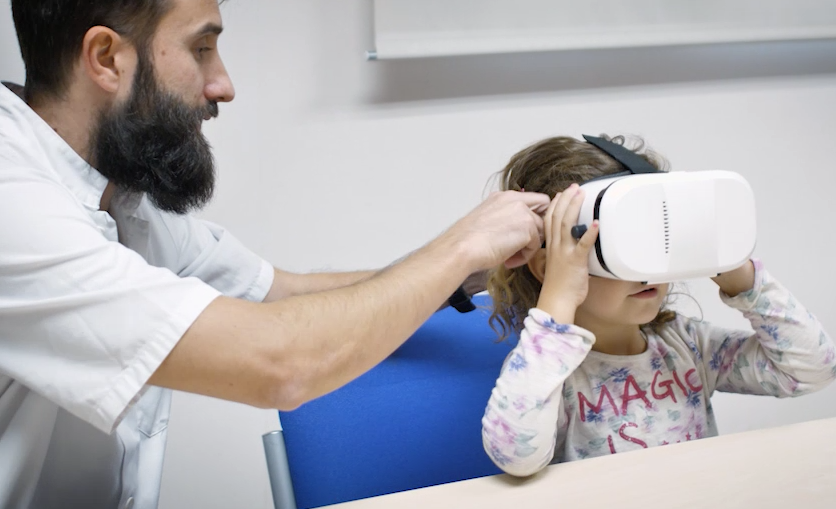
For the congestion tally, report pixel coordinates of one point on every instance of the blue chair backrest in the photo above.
(412, 421)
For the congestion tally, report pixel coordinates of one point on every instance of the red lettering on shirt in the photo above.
(690, 372)
(627, 397)
(605, 393)
(627, 437)
(679, 383)
(666, 384)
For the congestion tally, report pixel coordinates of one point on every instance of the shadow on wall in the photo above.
(435, 78)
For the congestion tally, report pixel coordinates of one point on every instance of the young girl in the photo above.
(601, 367)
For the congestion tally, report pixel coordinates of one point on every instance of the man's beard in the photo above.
(152, 144)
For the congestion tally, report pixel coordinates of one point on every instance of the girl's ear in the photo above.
(537, 264)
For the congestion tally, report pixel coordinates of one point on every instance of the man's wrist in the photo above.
(453, 249)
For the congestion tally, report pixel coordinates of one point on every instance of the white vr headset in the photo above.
(658, 227)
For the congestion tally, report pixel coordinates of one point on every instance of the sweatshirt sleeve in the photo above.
(520, 424)
(789, 353)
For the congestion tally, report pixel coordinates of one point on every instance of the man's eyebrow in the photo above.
(209, 29)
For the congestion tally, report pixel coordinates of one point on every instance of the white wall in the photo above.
(330, 162)
(11, 66)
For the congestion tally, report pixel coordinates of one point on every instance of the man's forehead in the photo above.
(192, 17)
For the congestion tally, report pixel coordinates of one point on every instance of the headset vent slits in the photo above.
(667, 226)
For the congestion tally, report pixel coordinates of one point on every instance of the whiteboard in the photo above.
(427, 28)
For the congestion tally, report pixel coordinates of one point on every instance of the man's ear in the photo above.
(108, 59)
(537, 264)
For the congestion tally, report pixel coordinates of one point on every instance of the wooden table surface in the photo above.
(789, 467)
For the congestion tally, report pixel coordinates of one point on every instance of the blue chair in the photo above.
(412, 421)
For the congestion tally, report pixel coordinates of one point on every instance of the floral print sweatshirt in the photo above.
(556, 400)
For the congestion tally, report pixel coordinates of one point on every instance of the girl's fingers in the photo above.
(570, 217)
(588, 240)
(559, 211)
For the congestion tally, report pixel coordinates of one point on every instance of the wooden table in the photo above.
(790, 467)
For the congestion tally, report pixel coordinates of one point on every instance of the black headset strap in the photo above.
(629, 159)
(461, 301)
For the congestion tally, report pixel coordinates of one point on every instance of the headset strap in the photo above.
(461, 301)
(629, 159)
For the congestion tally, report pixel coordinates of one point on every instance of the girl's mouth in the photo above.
(647, 293)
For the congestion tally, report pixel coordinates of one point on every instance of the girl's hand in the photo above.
(739, 280)
(566, 278)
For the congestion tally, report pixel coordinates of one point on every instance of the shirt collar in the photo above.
(84, 181)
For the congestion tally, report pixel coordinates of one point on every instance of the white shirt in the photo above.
(90, 304)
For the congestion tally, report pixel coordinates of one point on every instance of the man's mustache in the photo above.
(212, 109)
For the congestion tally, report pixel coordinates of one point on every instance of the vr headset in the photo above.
(658, 227)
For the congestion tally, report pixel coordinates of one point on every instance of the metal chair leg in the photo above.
(278, 470)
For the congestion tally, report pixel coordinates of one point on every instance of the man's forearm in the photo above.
(283, 353)
(382, 312)
(288, 284)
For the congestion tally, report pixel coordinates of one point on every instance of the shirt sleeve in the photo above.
(789, 353)
(520, 423)
(208, 252)
(84, 321)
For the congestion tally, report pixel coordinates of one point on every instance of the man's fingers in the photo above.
(539, 230)
(548, 218)
(518, 260)
(537, 202)
(535, 240)
(523, 256)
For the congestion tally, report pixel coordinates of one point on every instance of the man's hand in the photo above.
(507, 228)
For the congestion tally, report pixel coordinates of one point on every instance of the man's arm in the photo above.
(284, 353)
(288, 284)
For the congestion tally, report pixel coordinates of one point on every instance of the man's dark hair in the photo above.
(51, 32)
